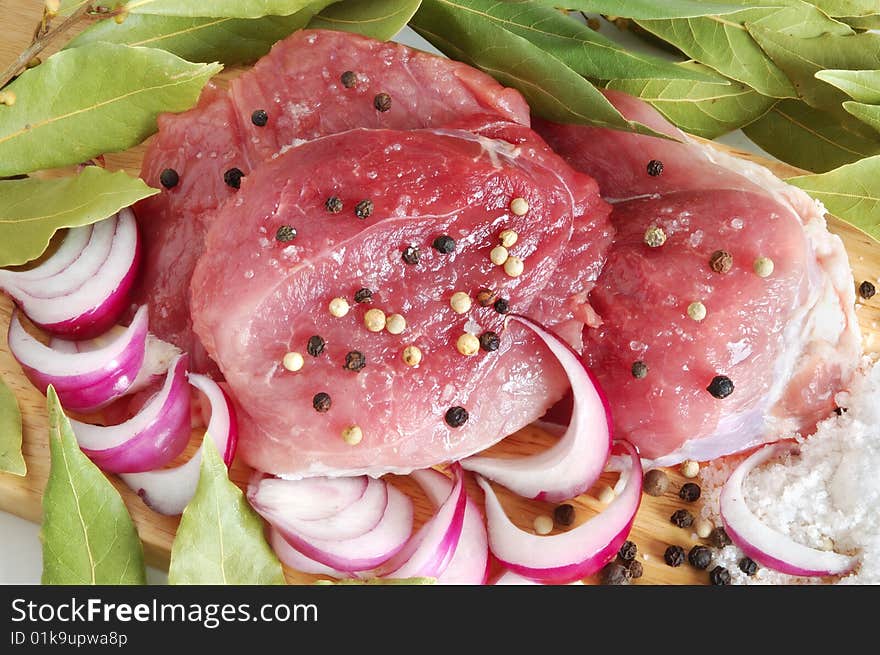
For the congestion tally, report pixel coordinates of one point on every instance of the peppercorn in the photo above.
(639, 370)
(292, 361)
(467, 344)
(763, 267)
(720, 387)
(352, 435)
(655, 236)
(338, 307)
(412, 355)
(485, 297)
(614, 574)
(718, 538)
(333, 204)
(374, 319)
(508, 238)
(543, 525)
(321, 402)
(867, 290)
(460, 302)
(719, 576)
(748, 566)
(348, 79)
(674, 556)
(169, 178)
(655, 167)
(285, 233)
(564, 515)
(628, 551)
(689, 491)
(260, 118)
(412, 255)
(364, 209)
(382, 102)
(232, 177)
(696, 311)
(703, 528)
(395, 324)
(840, 410)
(315, 345)
(513, 266)
(502, 305)
(363, 295)
(700, 557)
(690, 468)
(354, 360)
(456, 416)
(682, 518)
(519, 206)
(444, 244)
(490, 341)
(498, 255)
(721, 261)
(635, 569)
(655, 483)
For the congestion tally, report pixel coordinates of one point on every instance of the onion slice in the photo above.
(168, 491)
(153, 437)
(470, 561)
(511, 578)
(574, 554)
(291, 557)
(85, 381)
(763, 544)
(576, 461)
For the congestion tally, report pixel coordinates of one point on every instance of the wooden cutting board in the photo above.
(652, 531)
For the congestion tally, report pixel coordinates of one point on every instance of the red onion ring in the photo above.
(294, 559)
(511, 578)
(307, 499)
(577, 553)
(75, 241)
(576, 461)
(765, 545)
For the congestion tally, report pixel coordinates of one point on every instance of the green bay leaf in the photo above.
(220, 538)
(11, 459)
(847, 8)
(379, 19)
(851, 192)
(868, 114)
(860, 85)
(647, 9)
(862, 22)
(32, 209)
(812, 139)
(88, 536)
(216, 8)
(705, 109)
(86, 101)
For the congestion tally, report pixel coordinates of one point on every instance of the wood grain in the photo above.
(652, 531)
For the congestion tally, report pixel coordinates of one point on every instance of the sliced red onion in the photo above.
(168, 491)
(83, 296)
(470, 561)
(575, 462)
(511, 578)
(307, 499)
(350, 522)
(576, 553)
(291, 557)
(153, 437)
(85, 381)
(763, 544)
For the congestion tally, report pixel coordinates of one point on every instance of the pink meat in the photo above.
(299, 85)
(255, 299)
(789, 342)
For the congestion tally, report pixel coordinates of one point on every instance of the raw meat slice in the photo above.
(788, 342)
(255, 299)
(299, 85)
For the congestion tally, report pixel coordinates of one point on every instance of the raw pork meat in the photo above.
(788, 342)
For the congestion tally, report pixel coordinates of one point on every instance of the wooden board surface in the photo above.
(652, 531)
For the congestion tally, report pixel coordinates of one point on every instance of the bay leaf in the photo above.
(862, 22)
(216, 8)
(851, 192)
(647, 9)
(812, 139)
(86, 101)
(379, 19)
(11, 459)
(860, 85)
(552, 89)
(32, 209)
(847, 8)
(220, 539)
(868, 114)
(88, 536)
(705, 109)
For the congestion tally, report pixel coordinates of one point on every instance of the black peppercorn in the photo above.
(628, 551)
(700, 557)
(655, 482)
(333, 204)
(564, 515)
(348, 79)
(655, 167)
(411, 255)
(490, 341)
(502, 305)
(748, 566)
(614, 574)
(169, 178)
(355, 361)
(639, 370)
(285, 233)
(635, 569)
(718, 538)
(260, 118)
(485, 297)
(315, 345)
(363, 295)
(674, 556)
(719, 576)
(444, 244)
(840, 410)
(321, 402)
(232, 177)
(364, 209)
(456, 416)
(682, 518)
(721, 386)
(689, 492)
(721, 261)
(867, 290)
(382, 102)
